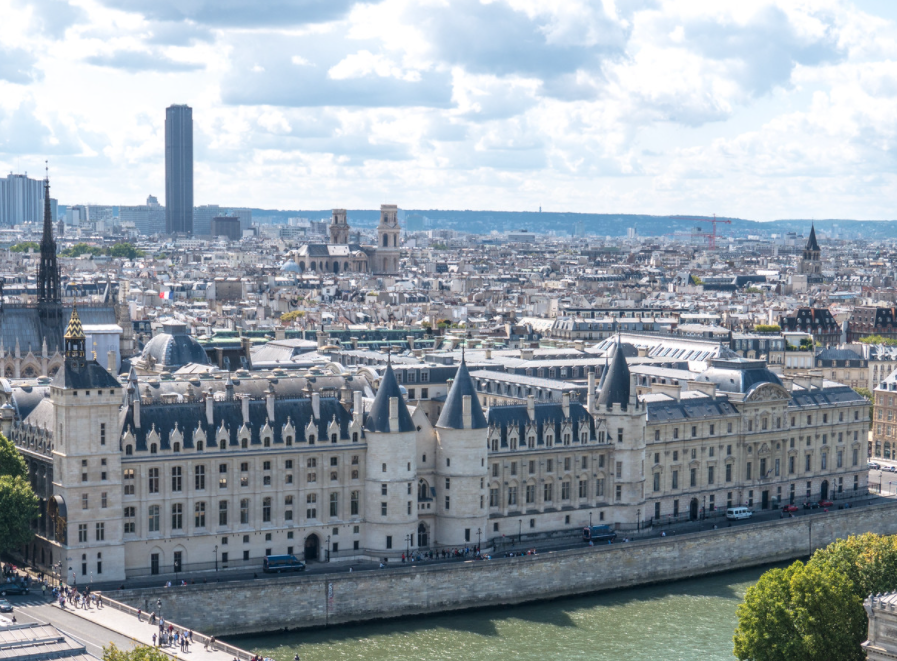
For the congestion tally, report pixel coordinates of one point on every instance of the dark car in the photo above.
(789, 508)
(825, 503)
(12, 588)
(5, 606)
(811, 506)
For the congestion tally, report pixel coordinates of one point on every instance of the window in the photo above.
(693, 477)
(675, 479)
(710, 475)
(153, 518)
(353, 503)
(266, 510)
(244, 510)
(619, 434)
(153, 482)
(389, 541)
(530, 494)
(102, 433)
(311, 477)
(807, 463)
(448, 483)
(565, 490)
(175, 478)
(222, 513)
(128, 479)
(130, 513)
(728, 472)
(619, 494)
(82, 532)
(747, 471)
(199, 515)
(547, 490)
(512, 495)
(619, 471)
(84, 505)
(583, 489)
(493, 497)
(656, 481)
(448, 502)
(199, 477)
(100, 532)
(728, 427)
(383, 509)
(177, 516)
(599, 487)
(790, 465)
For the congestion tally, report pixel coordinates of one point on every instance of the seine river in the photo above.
(682, 621)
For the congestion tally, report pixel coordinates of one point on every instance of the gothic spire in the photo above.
(48, 271)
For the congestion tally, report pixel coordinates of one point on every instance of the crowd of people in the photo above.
(76, 598)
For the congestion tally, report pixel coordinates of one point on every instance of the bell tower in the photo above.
(339, 228)
(386, 259)
(810, 263)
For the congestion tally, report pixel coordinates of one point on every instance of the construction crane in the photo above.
(711, 237)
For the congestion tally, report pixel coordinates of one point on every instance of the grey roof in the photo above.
(615, 383)
(81, 374)
(452, 413)
(838, 354)
(736, 374)
(174, 348)
(23, 323)
(548, 417)
(378, 418)
(669, 409)
(811, 242)
(830, 394)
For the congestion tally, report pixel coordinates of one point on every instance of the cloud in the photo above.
(17, 66)
(135, 61)
(53, 17)
(314, 71)
(21, 132)
(238, 13)
(177, 33)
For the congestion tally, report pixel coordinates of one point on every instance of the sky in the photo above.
(763, 109)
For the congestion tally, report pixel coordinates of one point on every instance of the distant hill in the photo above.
(484, 222)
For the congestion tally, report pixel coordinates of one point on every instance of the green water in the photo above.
(683, 621)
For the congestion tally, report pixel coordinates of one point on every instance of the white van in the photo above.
(735, 513)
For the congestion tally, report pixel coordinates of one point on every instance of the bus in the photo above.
(598, 534)
(279, 563)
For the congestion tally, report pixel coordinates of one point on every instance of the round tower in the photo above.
(390, 511)
(461, 466)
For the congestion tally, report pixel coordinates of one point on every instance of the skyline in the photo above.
(776, 110)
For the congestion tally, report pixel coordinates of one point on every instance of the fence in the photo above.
(235, 652)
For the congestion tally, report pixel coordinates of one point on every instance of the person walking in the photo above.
(154, 639)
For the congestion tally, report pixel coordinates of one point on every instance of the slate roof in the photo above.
(188, 415)
(736, 374)
(175, 348)
(378, 417)
(452, 416)
(614, 388)
(831, 394)
(811, 242)
(80, 376)
(23, 323)
(669, 409)
(548, 417)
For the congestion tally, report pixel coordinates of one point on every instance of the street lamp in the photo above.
(638, 520)
(520, 532)
(479, 532)
(327, 543)
(408, 546)
(159, 607)
(704, 509)
(216, 557)
(590, 520)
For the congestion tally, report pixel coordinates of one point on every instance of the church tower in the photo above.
(339, 228)
(810, 263)
(49, 297)
(386, 259)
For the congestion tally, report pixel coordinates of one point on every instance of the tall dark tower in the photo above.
(49, 301)
(179, 169)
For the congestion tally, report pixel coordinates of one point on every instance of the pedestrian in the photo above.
(154, 639)
(139, 613)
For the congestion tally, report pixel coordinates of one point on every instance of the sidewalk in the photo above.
(142, 632)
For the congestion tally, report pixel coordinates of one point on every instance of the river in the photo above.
(682, 621)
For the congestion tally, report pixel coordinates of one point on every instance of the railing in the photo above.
(235, 652)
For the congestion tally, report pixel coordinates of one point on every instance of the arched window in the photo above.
(385, 240)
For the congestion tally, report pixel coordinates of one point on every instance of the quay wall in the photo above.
(315, 600)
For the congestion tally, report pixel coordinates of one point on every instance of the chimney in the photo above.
(280, 333)
(354, 341)
(531, 407)
(643, 352)
(269, 402)
(357, 406)
(579, 345)
(244, 405)
(526, 354)
(489, 352)
(316, 405)
(590, 395)
(210, 410)
(410, 340)
(466, 418)
(565, 404)
(110, 360)
(135, 402)
(393, 414)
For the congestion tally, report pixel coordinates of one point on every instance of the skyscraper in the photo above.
(179, 169)
(21, 200)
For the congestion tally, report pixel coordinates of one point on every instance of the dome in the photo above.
(174, 348)
(732, 373)
(290, 266)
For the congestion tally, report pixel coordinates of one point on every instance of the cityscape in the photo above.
(317, 402)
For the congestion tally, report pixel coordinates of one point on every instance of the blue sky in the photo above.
(761, 109)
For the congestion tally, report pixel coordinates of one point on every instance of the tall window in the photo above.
(130, 513)
(334, 505)
(199, 477)
(222, 512)
(199, 515)
(353, 504)
(530, 494)
(266, 510)
(512, 495)
(547, 489)
(153, 518)
(129, 481)
(175, 478)
(177, 516)
(244, 510)
(153, 481)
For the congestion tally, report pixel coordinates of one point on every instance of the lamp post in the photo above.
(704, 508)
(479, 532)
(638, 520)
(590, 521)
(216, 557)
(520, 532)
(327, 543)
(159, 607)
(408, 547)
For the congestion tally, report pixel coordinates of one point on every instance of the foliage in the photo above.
(695, 280)
(439, 246)
(289, 317)
(865, 392)
(18, 506)
(139, 653)
(25, 246)
(815, 611)
(753, 290)
(12, 463)
(121, 250)
(878, 339)
(767, 328)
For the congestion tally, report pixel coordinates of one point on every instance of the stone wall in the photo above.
(322, 600)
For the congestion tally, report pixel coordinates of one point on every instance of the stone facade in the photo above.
(881, 610)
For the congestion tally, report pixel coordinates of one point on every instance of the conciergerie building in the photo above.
(167, 473)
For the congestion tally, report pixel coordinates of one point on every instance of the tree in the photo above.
(18, 506)
(25, 246)
(767, 328)
(139, 653)
(289, 317)
(878, 339)
(12, 463)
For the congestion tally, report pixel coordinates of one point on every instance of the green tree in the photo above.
(878, 339)
(18, 506)
(289, 317)
(767, 328)
(25, 246)
(124, 250)
(139, 653)
(12, 463)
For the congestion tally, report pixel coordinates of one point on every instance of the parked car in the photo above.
(12, 588)
(811, 506)
(874, 466)
(825, 503)
(5, 606)
(789, 508)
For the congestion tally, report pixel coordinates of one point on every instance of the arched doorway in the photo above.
(693, 510)
(312, 543)
(823, 491)
(423, 537)
(335, 266)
